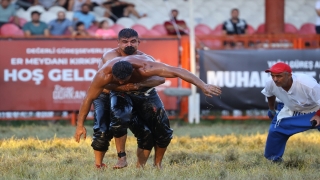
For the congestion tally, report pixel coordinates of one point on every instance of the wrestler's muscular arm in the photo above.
(154, 68)
(95, 88)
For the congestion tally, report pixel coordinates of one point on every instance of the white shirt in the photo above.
(302, 97)
(318, 17)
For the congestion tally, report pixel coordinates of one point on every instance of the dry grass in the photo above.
(232, 156)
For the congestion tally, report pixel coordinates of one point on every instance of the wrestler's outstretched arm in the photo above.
(164, 70)
(95, 88)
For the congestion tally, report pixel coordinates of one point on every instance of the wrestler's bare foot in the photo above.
(138, 165)
(122, 162)
(158, 166)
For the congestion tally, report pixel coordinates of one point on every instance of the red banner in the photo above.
(53, 75)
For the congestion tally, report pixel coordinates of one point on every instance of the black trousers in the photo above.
(150, 112)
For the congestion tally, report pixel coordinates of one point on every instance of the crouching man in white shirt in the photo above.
(300, 94)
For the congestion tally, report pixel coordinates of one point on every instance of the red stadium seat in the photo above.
(153, 33)
(217, 30)
(290, 28)
(117, 28)
(308, 28)
(202, 29)
(261, 29)
(21, 21)
(92, 30)
(11, 30)
(218, 27)
(140, 29)
(250, 30)
(160, 28)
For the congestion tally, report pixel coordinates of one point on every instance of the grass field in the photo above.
(220, 150)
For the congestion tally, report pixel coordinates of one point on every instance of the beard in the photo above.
(129, 50)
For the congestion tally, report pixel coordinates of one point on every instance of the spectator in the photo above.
(84, 16)
(76, 5)
(174, 25)
(60, 25)
(117, 9)
(318, 17)
(25, 4)
(35, 27)
(235, 25)
(80, 30)
(6, 12)
(104, 31)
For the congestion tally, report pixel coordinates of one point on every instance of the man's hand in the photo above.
(79, 131)
(210, 90)
(316, 118)
(124, 88)
(271, 113)
(130, 87)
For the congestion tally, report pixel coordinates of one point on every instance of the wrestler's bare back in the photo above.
(139, 63)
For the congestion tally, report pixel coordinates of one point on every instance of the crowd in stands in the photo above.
(86, 23)
(81, 21)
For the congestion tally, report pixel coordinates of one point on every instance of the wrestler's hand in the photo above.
(210, 90)
(79, 131)
(317, 118)
(132, 86)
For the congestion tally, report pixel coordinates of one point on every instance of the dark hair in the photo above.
(127, 33)
(101, 23)
(175, 10)
(85, 4)
(234, 9)
(79, 23)
(122, 69)
(35, 12)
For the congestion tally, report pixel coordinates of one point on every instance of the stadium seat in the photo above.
(48, 16)
(56, 9)
(93, 28)
(202, 29)
(250, 30)
(125, 22)
(99, 10)
(36, 8)
(11, 30)
(99, 19)
(217, 30)
(116, 28)
(260, 29)
(290, 28)
(307, 28)
(218, 27)
(24, 14)
(69, 15)
(146, 22)
(21, 21)
(140, 29)
(210, 21)
(160, 29)
(153, 33)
